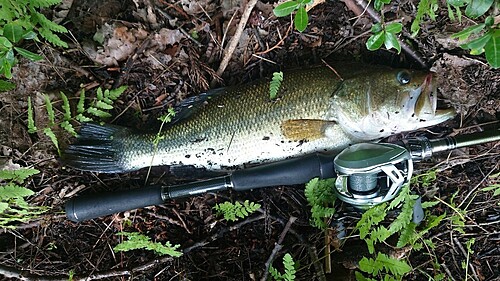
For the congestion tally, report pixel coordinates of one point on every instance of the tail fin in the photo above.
(97, 149)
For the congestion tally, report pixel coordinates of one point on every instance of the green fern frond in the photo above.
(232, 212)
(114, 94)
(138, 241)
(13, 208)
(19, 175)
(31, 121)
(50, 111)
(321, 198)
(44, 3)
(275, 84)
(47, 24)
(53, 38)
(49, 133)
(290, 271)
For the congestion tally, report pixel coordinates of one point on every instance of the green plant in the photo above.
(385, 34)
(495, 187)
(486, 39)
(465, 264)
(138, 241)
(289, 265)
(275, 84)
(321, 198)
(21, 20)
(383, 267)
(167, 118)
(232, 212)
(98, 108)
(301, 18)
(13, 207)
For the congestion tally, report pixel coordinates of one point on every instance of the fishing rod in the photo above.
(366, 174)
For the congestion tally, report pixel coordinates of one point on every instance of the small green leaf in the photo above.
(49, 133)
(80, 107)
(66, 107)
(391, 41)
(492, 49)
(31, 121)
(464, 34)
(376, 28)
(301, 19)
(285, 9)
(98, 112)
(13, 32)
(103, 105)
(375, 41)
(477, 8)
(394, 27)
(27, 54)
(5, 43)
(275, 84)
(29, 35)
(6, 86)
(50, 111)
(477, 45)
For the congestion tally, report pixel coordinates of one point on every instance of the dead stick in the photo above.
(236, 38)
(277, 247)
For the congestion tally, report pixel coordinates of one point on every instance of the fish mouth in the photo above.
(426, 107)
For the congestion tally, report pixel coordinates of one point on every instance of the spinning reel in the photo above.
(367, 174)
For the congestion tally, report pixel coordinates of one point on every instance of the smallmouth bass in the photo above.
(316, 110)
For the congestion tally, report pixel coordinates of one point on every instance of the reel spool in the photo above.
(371, 173)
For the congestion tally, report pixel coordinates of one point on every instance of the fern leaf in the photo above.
(44, 3)
(80, 107)
(103, 105)
(50, 111)
(11, 191)
(49, 133)
(138, 241)
(66, 107)
(47, 24)
(31, 121)
(19, 175)
(115, 93)
(66, 125)
(53, 38)
(98, 112)
(289, 265)
(275, 84)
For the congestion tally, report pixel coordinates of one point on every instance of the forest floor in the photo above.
(149, 46)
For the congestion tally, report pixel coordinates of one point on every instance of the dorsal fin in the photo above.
(304, 129)
(191, 105)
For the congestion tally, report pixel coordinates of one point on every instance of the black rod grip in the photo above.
(97, 205)
(289, 172)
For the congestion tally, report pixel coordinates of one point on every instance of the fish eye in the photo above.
(403, 77)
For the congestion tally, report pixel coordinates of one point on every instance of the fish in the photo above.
(319, 109)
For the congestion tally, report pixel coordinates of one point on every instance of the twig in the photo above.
(236, 38)
(447, 270)
(278, 246)
(220, 233)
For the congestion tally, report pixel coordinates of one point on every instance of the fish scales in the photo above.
(315, 110)
(242, 125)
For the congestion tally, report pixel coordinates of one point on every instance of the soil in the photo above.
(150, 47)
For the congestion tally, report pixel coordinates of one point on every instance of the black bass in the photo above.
(316, 110)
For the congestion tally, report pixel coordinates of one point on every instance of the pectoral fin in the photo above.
(304, 129)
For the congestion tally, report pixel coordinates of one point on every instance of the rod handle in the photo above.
(92, 206)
